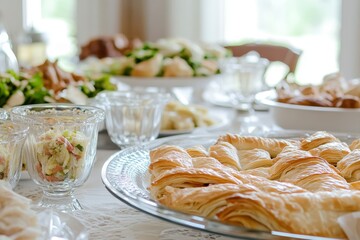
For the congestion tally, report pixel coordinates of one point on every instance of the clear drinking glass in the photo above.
(60, 149)
(12, 138)
(134, 116)
(243, 78)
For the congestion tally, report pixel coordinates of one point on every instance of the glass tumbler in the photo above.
(133, 117)
(12, 138)
(60, 149)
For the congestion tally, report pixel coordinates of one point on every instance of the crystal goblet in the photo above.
(60, 149)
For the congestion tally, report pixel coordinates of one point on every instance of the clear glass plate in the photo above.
(125, 175)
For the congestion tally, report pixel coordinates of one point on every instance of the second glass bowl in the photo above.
(134, 116)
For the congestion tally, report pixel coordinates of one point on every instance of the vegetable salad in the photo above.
(60, 155)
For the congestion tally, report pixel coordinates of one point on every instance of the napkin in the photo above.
(350, 223)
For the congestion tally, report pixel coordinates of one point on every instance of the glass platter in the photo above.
(125, 175)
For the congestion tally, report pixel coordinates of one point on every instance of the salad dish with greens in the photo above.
(48, 83)
(60, 155)
(165, 58)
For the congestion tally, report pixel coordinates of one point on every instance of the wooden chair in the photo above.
(284, 54)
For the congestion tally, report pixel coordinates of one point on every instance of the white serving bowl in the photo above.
(291, 116)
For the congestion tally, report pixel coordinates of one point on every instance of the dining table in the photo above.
(106, 217)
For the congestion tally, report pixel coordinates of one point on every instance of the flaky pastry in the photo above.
(299, 186)
(273, 146)
(349, 166)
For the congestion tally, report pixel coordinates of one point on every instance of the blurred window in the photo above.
(55, 20)
(313, 26)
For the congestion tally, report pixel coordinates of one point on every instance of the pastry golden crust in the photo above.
(254, 158)
(273, 146)
(349, 166)
(311, 173)
(355, 144)
(302, 213)
(198, 201)
(168, 157)
(225, 153)
(193, 177)
(259, 172)
(332, 152)
(316, 140)
(197, 151)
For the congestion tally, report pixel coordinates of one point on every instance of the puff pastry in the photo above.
(262, 183)
(254, 158)
(317, 139)
(273, 146)
(193, 177)
(332, 152)
(311, 173)
(198, 201)
(226, 154)
(355, 144)
(167, 157)
(303, 213)
(349, 166)
(197, 151)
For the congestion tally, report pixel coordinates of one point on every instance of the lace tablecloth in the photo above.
(106, 217)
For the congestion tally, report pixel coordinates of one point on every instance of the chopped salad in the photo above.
(60, 155)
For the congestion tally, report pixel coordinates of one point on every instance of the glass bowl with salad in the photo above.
(12, 138)
(60, 148)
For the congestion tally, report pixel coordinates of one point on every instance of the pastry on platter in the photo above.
(296, 185)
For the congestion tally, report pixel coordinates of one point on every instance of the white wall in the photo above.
(350, 39)
(11, 17)
(96, 18)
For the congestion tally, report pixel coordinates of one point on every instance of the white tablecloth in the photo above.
(106, 217)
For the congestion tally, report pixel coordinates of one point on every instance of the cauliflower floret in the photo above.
(148, 68)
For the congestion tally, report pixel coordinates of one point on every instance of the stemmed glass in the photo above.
(244, 77)
(60, 149)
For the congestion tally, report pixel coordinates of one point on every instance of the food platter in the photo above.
(221, 121)
(291, 116)
(166, 82)
(125, 175)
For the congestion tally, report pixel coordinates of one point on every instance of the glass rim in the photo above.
(135, 97)
(92, 113)
(14, 128)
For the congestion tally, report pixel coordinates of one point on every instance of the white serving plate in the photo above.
(166, 82)
(221, 118)
(291, 116)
